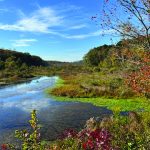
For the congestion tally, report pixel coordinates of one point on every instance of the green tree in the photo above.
(2, 64)
(10, 63)
(24, 70)
(96, 55)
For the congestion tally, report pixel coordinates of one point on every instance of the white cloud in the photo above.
(38, 21)
(43, 20)
(92, 34)
(80, 26)
(46, 19)
(23, 42)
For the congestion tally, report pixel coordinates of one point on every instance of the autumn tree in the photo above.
(139, 80)
(128, 18)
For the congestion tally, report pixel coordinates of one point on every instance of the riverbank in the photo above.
(136, 104)
(11, 81)
(129, 104)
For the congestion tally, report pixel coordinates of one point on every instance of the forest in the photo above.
(17, 66)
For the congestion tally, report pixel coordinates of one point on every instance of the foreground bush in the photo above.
(30, 140)
(130, 132)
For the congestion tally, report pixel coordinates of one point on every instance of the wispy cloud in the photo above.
(80, 26)
(38, 21)
(52, 20)
(91, 34)
(23, 42)
(44, 19)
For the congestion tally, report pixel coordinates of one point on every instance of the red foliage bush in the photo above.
(139, 80)
(68, 133)
(4, 147)
(94, 140)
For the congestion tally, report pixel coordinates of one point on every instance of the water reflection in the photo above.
(27, 96)
(17, 101)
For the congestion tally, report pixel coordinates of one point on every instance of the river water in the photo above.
(17, 101)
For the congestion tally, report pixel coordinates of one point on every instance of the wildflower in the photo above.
(26, 134)
(68, 133)
(4, 147)
(94, 140)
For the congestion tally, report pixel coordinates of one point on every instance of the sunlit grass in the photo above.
(59, 82)
(137, 104)
(133, 104)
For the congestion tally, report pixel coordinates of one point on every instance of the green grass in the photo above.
(59, 82)
(134, 104)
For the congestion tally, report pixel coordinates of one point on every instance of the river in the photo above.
(17, 101)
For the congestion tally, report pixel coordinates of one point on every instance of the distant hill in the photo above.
(30, 60)
(59, 63)
(56, 63)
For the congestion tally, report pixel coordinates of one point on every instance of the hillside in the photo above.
(26, 58)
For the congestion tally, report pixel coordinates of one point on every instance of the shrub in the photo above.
(66, 90)
(131, 132)
(128, 132)
(30, 140)
(139, 81)
(97, 139)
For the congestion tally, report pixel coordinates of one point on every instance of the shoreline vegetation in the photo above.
(5, 82)
(130, 132)
(130, 104)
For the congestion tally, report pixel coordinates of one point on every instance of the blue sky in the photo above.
(52, 29)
